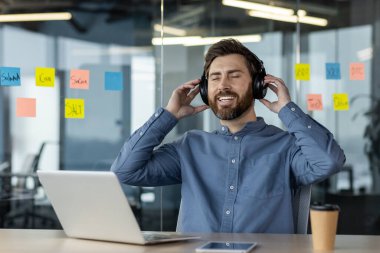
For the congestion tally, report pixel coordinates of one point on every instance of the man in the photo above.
(241, 177)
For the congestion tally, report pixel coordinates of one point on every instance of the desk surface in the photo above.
(43, 241)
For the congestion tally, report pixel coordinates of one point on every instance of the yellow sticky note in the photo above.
(357, 71)
(314, 102)
(79, 79)
(74, 108)
(341, 102)
(45, 77)
(302, 71)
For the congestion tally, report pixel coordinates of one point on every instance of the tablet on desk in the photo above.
(233, 247)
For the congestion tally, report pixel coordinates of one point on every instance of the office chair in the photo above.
(23, 196)
(301, 206)
(20, 195)
(5, 188)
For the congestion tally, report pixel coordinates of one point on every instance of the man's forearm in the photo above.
(135, 157)
(316, 154)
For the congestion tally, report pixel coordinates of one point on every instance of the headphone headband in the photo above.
(260, 62)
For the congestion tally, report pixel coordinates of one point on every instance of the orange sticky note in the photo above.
(314, 102)
(79, 79)
(26, 107)
(357, 71)
(45, 77)
(341, 102)
(302, 71)
(74, 108)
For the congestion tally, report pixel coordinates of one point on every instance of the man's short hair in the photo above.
(227, 47)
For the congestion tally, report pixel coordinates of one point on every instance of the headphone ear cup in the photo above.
(203, 90)
(259, 87)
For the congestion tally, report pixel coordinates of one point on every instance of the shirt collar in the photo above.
(250, 127)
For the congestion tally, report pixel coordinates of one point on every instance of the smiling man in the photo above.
(242, 176)
(230, 87)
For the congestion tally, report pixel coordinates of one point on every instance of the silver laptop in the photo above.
(92, 205)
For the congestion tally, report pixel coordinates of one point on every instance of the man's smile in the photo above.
(226, 100)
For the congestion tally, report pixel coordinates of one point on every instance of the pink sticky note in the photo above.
(314, 102)
(79, 79)
(357, 71)
(26, 107)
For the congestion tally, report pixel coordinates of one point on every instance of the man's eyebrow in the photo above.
(215, 73)
(228, 72)
(233, 71)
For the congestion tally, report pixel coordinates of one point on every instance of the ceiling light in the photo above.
(259, 7)
(313, 21)
(301, 13)
(173, 40)
(35, 17)
(170, 30)
(197, 40)
(212, 40)
(292, 19)
(112, 50)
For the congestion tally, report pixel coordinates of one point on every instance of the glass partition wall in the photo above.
(148, 48)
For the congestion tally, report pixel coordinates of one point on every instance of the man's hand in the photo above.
(179, 102)
(278, 86)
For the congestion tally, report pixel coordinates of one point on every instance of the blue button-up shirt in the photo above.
(241, 182)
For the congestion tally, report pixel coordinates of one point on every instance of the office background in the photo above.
(125, 37)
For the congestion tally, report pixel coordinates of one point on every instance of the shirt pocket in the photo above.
(264, 177)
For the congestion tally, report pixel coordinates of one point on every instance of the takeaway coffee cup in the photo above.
(324, 220)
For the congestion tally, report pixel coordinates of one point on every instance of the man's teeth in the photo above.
(225, 98)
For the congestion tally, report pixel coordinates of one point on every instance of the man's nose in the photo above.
(224, 83)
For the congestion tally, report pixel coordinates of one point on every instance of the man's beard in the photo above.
(230, 113)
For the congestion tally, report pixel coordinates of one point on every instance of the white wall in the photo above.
(28, 50)
(143, 90)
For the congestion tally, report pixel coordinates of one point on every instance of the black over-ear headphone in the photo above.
(259, 88)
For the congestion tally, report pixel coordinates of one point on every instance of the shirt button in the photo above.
(293, 109)
(141, 133)
(308, 126)
(233, 160)
(228, 212)
(222, 128)
(236, 138)
(156, 115)
(231, 187)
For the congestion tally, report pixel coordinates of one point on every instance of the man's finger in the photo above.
(265, 102)
(275, 80)
(188, 85)
(193, 82)
(200, 108)
(193, 92)
(273, 87)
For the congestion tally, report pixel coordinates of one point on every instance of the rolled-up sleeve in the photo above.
(315, 154)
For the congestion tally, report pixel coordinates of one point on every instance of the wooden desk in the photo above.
(55, 241)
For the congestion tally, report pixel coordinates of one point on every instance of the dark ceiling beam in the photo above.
(35, 5)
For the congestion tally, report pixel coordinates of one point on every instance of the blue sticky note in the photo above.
(333, 71)
(10, 76)
(113, 81)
